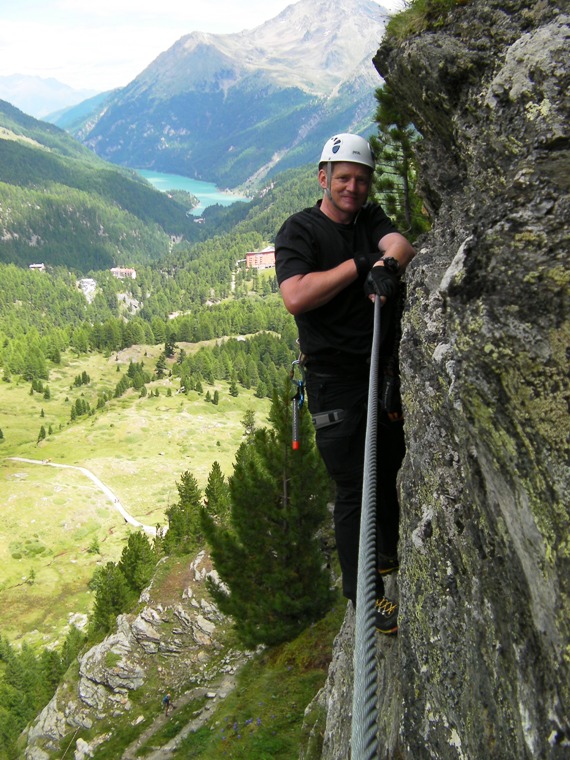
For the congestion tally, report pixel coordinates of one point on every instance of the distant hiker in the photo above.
(329, 259)
(166, 703)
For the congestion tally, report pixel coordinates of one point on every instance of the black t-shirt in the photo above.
(340, 331)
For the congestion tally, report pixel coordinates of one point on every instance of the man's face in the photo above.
(349, 187)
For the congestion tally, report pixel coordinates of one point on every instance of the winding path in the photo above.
(151, 531)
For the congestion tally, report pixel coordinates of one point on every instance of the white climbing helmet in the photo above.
(348, 147)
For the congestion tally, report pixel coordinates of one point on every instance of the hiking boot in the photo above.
(387, 564)
(386, 615)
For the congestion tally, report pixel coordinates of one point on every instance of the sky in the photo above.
(102, 44)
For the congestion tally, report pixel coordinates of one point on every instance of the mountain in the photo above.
(235, 108)
(62, 205)
(72, 117)
(40, 97)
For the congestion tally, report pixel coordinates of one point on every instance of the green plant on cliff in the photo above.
(269, 558)
(395, 179)
(418, 16)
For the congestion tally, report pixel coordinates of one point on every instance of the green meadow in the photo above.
(56, 525)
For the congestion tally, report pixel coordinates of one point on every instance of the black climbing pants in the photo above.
(341, 447)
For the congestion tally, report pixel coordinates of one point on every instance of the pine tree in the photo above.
(71, 647)
(161, 366)
(248, 423)
(51, 669)
(395, 180)
(217, 495)
(170, 345)
(137, 561)
(112, 597)
(269, 559)
(184, 527)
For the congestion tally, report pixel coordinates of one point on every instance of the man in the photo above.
(324, 257)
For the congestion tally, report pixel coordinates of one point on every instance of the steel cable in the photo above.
(364, 699)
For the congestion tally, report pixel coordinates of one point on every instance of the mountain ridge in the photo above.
(235, 108)
(284, 46)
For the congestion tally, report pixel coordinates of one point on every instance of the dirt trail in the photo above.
(218, 690)
(150, 530)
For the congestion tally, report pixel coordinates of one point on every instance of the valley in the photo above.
(138, 447)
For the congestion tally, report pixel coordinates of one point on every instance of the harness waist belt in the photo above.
(324, 419)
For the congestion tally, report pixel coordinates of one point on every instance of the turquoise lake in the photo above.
(206, 192)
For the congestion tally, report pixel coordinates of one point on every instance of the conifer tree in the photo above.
(161, 366)
(184, 528)
(217, 495)
(71, 647)
(269, 560)
(395, 180)
(170, 345)
(248, 423)
(137, 561)
(112, 597)
(51, 670)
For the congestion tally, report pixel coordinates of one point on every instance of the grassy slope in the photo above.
(139, 447)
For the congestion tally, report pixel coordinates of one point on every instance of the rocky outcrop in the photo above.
(166, 643)
(481, 667)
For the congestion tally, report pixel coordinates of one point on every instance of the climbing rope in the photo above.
(364, 700)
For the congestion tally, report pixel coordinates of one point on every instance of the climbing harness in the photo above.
(297, 400)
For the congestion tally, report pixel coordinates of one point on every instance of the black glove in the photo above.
(365, 261)
(381, 282)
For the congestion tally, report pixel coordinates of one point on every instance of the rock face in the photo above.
(481, 668)
(168, 644)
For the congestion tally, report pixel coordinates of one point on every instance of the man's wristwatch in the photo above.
(391, 264)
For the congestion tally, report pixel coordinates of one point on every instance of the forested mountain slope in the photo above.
(45, 313)
(62, 205)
